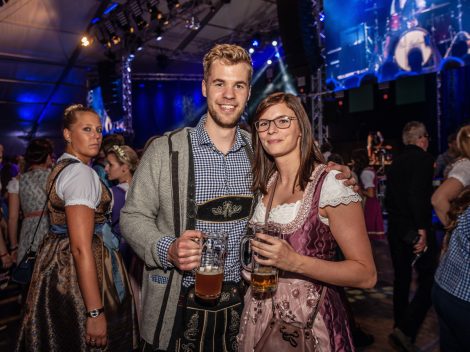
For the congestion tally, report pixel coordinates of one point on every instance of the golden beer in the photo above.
(264, 279)
(208, 282)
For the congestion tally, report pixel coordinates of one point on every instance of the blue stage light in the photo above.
(269, 62)
(274, 42)
(255, 43)
(277, 55)
(251, 50)
(110, 8)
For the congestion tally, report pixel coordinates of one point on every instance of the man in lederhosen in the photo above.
(209, 166)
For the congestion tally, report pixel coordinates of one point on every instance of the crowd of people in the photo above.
(117, 240)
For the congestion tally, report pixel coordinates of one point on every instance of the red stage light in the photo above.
(340, 103)
(385, 96)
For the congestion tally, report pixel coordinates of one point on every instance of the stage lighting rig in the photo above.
(152, 6)
(173, 6)
(115, 38)
(158, 33)
(193, 23)
(137, 13)
(124, 23)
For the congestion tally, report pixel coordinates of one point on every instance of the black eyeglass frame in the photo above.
(279, 118)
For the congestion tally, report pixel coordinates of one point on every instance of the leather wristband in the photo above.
(94, 313)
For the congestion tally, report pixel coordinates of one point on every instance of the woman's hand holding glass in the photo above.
(278, 252)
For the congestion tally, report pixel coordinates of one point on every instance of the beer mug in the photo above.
(263, 277)
(210, 273)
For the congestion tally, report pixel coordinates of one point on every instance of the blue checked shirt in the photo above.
(217, 175)
(453, 273)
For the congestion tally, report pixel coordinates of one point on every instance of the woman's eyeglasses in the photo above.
(280, 122)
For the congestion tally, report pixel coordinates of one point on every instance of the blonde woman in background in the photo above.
(121, 163)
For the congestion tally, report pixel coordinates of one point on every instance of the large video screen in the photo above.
(387, 39)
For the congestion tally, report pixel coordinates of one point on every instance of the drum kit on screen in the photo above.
(433, 29)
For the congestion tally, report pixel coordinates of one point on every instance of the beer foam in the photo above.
(210, 270)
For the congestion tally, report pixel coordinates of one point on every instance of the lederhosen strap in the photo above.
(177, 227)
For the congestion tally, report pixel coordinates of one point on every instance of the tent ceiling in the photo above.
(42, 67)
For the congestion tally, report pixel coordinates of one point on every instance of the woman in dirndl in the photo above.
(79, 298)
(316, 213)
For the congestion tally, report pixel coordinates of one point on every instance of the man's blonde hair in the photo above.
(413, 131)
(229, 54)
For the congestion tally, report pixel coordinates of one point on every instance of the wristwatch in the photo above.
(95, 312)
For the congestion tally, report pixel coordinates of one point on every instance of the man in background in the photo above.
(412, 244)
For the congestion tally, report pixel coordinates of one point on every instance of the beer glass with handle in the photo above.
(210, 273)
(263, 277)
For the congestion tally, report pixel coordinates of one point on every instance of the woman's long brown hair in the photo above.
(264, 166)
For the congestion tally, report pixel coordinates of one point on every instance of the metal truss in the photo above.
(126, 71)
(317, 86)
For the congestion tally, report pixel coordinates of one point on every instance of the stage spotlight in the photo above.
(173, 5)
(255, 43)
(251, 50)
(123, 22)
(158, 33)
(269, 62)
(140, 22)
(193, 23)
(115, 39)
(152, 6)
(85, 41)
(274, 42)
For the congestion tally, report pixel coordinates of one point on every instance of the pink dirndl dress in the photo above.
(373, 214)
(297, 296)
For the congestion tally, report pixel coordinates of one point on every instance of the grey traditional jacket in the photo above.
(148, 216)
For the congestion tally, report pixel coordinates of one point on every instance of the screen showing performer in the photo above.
(394, 37)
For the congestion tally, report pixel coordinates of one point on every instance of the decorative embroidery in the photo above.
(304, 210)
(290, 337)
(283, 304)
(233, 328)
(343, 200)
(227, 209)
(189, 347)
(158, 279)
(192, 328)
(257, 309)
(225, 297)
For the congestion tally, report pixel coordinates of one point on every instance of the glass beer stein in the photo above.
(263, 277)
(210, 274)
